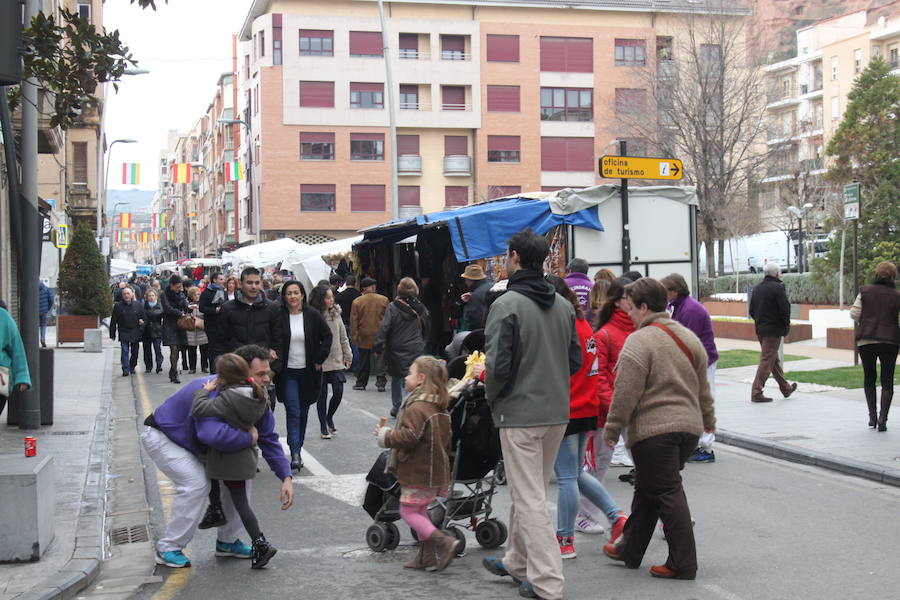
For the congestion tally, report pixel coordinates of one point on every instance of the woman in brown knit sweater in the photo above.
(662, 396)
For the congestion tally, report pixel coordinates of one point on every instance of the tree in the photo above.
(83, 277)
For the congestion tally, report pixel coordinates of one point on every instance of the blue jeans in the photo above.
(153, 346)
(397, 391)
(43, 322)
(129, 355)
(297, 410)
(354, 366)
(571, 480)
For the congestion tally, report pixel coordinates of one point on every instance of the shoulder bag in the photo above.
(187, 323)
(681, 345)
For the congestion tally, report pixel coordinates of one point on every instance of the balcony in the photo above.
(421, 106)
(666, 69)
(411, 164)
(409, 54)
(455, 55)
(458, 166)
(812, 164)
(457, 107)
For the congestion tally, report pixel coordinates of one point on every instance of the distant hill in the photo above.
(138, 200)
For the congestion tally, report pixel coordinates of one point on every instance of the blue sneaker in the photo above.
(527, 591)
(236, 549)
(174, 558)
(701, 455)
(495, 566)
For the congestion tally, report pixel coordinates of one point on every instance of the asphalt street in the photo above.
(766, 529)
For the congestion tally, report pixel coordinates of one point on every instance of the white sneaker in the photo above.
(586, 524)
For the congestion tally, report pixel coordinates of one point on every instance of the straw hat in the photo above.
(473, 272)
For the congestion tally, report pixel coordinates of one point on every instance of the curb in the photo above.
(84, 566)
(846, 466)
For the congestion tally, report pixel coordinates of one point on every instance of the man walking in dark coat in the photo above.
(251, 319)
(771, 311)
(211, 301)
(45, 304)
(475, 298)
(345, 301)
(128, 319)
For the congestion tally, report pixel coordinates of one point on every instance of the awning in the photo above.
(264, 254)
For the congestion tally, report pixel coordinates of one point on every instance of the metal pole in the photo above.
(800, 244)
(253, 198)
(856, 274)
(235, 147)
(841, 272)
(626, 237)
(392, 114)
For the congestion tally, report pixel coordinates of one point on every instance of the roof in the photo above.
(261, 7)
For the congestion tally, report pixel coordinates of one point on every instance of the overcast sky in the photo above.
(186, 46)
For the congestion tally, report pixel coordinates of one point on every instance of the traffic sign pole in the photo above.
(626, 237)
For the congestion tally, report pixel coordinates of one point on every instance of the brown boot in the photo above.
(424, 558)
(445, 547)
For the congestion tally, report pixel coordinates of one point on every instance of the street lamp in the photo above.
(101, 207)
(800, 213)
(109, 223)
(255, 197)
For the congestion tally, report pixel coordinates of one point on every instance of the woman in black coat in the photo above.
(305, 344)
(153, 312)
(174, 304)
(401, 337)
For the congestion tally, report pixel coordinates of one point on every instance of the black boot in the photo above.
(214, 517)
(262, 553)
(871, 394)
(886, 397)
(296, 461)
(173, 375)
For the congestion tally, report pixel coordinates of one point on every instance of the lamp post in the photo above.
(255, 197)
(109, 223)
(101, 208)
(800, 213)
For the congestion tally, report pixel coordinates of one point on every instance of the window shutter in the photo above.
(579, 55)
(503, 143)
(366, 137)
(366, 43)
(454, 95)
(503, 98)
(407, 145)
(456, 145)
(276, 20)
(453, 43)
(502, 48)
(553, 54)
(367, 87)
(317, 94)
(367, 198)
(409, 89)
(313, 188)
(567, 154)
(499, 191)
(310, 137)
(317, 33)
(409, 41)
(456, 195)
(408, 195)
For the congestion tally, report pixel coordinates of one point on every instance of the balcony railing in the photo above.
(457, 107)
(409, 164)
(426, 106)
(455, 55)
(458, 166)
(812, 164)
(407, 54)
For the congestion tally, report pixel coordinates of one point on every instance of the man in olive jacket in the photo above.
(532, 350)
(771, 311)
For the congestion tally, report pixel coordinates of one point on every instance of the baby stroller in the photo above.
(476, 456)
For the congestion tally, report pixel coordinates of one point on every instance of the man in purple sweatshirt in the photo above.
(176, 441)
(579, 282)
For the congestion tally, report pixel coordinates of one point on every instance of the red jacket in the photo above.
(609, 340)
(583, 400)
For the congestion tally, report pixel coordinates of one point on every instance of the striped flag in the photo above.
(181, 172)
(192, 214)
(131, 173)
(134, 236)
(158, 221)
(145, 237)
(155, 237)
(124, 220)
(233, 171)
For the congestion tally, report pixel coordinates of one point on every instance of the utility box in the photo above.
(26, 512)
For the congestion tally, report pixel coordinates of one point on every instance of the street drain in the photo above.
(68, 433)
(129, 535)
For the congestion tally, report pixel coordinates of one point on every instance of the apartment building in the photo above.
(492, 98)
(807, 96)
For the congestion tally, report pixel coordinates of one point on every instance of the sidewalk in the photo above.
(78, 443)
(817, 425)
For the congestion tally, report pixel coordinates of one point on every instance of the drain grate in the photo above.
(129, 535)
(68, 433)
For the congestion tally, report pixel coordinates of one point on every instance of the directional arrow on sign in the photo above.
(640, 167)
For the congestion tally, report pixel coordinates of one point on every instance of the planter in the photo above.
(70, 328)
(746, 330)
(840, 337)
(725, 309)
(799, 332)
(803, 309)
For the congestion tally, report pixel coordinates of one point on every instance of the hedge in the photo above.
(800, 288)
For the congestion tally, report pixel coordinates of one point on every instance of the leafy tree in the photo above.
(83, 277)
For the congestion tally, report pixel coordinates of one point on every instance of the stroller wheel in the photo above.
(491, 533)
(393, 536)
(378, 536)
(459, 534)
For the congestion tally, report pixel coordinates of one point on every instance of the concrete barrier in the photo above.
(93, 340)
(26, 512)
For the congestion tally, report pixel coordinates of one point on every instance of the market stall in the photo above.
(310, 264)
(266, 254)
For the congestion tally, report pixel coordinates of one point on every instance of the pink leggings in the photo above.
(416, 517)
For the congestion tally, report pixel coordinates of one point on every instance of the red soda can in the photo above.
(30, 446)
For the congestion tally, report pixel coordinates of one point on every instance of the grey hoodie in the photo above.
(237, 406)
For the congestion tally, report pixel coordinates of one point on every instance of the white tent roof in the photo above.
(263, 255)
(120, 266)
(319, 250)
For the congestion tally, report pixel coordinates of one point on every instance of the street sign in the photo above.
(62, 236)
(851, 201)
(640, 167)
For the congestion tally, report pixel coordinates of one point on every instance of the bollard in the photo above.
(46, 387)
(93, 340)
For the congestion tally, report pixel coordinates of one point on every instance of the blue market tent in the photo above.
(482, 230)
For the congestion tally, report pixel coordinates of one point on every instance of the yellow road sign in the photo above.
(62, 236)
(640, 167)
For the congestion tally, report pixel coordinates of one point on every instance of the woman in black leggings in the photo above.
(877, 311)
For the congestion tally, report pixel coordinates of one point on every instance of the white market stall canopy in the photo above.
(308, 265)
(266, 254)
(120, 266)
(188, 262)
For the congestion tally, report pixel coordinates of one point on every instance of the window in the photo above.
(453, 97)
(366, 43)
(892, 56)
(316, 198)
(566, 104)
(503, 98)
(502, 48)
(262, 43)
(409, 45)
(276, 39)
(835, 108)
(366, 95)
(84, 11)
(664, 48)
(407, 145)
(857, 60)
(366, 146)
(408, 195)
(632, 101)
(256, 99)
(367, 198)
(834, 68)
(567, 154)
(876, 51)
(568, 55)
(710, 53)
(501, 191)
(456, 195)
(246, 66)
(630, 53)
(456, 145)
(316, 42)
(316, 146)
(503, 148)
(254, 47)
(318, 94)
(79, 163)
(409, 97)
(453, 47)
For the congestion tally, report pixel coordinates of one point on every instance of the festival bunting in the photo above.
(131, 173)
(145, 237)
(181, 173)
(134, 236)
(159, 221)
(155, 237)
(124, 220)
(233, 171)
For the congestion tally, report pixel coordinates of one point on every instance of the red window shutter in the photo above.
(552, 188)
(553, 154)
(309, 137)
(407, 145)
(553, 54)
(499, 191)
(567, 154)
(453, 95)
(456, 195)
(456, 145)
(367, 87)
(276, 20)
(410, 89)
(502, 48)
(503, 98)
(408, 195)
(313, 188)
(366, 43)
(367, 198)
(503, 143)
(317, 94)
(317, 33)
(409, 41)
(366, 137)
(453, 43)
(579, 55)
